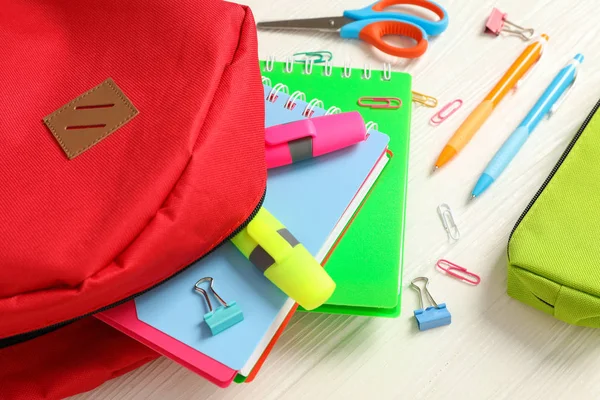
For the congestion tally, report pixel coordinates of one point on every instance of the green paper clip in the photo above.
(321, 56)
(224, 316)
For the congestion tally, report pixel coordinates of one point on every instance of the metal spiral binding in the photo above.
(333, 110)
(367, 71)
(371, 126)
(272, 96)
(309, 110)
(314, 103)
(308, 66)
(291, 103)
(328, 68)
(289, 65)
(270, 63)
(347, 72)
(387, 71)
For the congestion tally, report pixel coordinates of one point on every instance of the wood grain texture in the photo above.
(496, 348)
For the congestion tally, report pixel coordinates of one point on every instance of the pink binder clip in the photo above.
(446, 112)
(497, 23)
(458, 272)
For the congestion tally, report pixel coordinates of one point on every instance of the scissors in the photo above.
(372, 23)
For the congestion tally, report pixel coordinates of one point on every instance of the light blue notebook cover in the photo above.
(309, 198)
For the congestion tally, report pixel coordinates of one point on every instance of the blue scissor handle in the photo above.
(353, 29)
(375, 11)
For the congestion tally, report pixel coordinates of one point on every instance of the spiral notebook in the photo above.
(315, 199)
(366, 264)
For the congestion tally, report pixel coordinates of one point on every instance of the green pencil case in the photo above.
(554, 249)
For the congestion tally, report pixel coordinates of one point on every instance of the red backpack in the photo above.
(132, 144)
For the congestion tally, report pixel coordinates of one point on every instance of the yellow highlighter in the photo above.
(515, 74)
(268, 244)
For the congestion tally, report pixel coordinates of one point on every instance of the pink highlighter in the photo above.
(313, 137)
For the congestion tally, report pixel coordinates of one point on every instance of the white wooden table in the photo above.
(496, 348)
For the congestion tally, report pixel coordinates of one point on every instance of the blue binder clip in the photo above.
(430, 317)
(224, 316)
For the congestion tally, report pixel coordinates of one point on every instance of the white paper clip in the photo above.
(448, 222)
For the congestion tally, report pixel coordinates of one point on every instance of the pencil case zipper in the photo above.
(554, 170)
(23, 337)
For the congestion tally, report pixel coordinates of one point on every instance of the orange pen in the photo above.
(513, 76)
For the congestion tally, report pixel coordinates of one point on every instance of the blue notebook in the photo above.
(310, 198)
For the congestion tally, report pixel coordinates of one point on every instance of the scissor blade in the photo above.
(332, 24)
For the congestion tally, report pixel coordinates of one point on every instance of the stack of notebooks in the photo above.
(347, 208)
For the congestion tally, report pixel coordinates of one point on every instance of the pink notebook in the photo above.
(124, 318)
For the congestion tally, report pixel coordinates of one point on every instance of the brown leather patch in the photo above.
(85, 121)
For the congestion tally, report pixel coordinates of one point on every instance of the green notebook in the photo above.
(367, 262)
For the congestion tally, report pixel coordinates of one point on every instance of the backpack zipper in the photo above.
(555, 169)
(23, 337)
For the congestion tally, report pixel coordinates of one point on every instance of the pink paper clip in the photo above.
(463, 275)
(497, 23)
(446, 112)
(391, 103)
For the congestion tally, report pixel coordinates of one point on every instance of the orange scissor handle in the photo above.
(374, 32)
(429, 5)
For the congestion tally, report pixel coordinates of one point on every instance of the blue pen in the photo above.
(547, 104)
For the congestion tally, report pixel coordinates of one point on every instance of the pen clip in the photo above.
(543, 42)
(567, 92)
